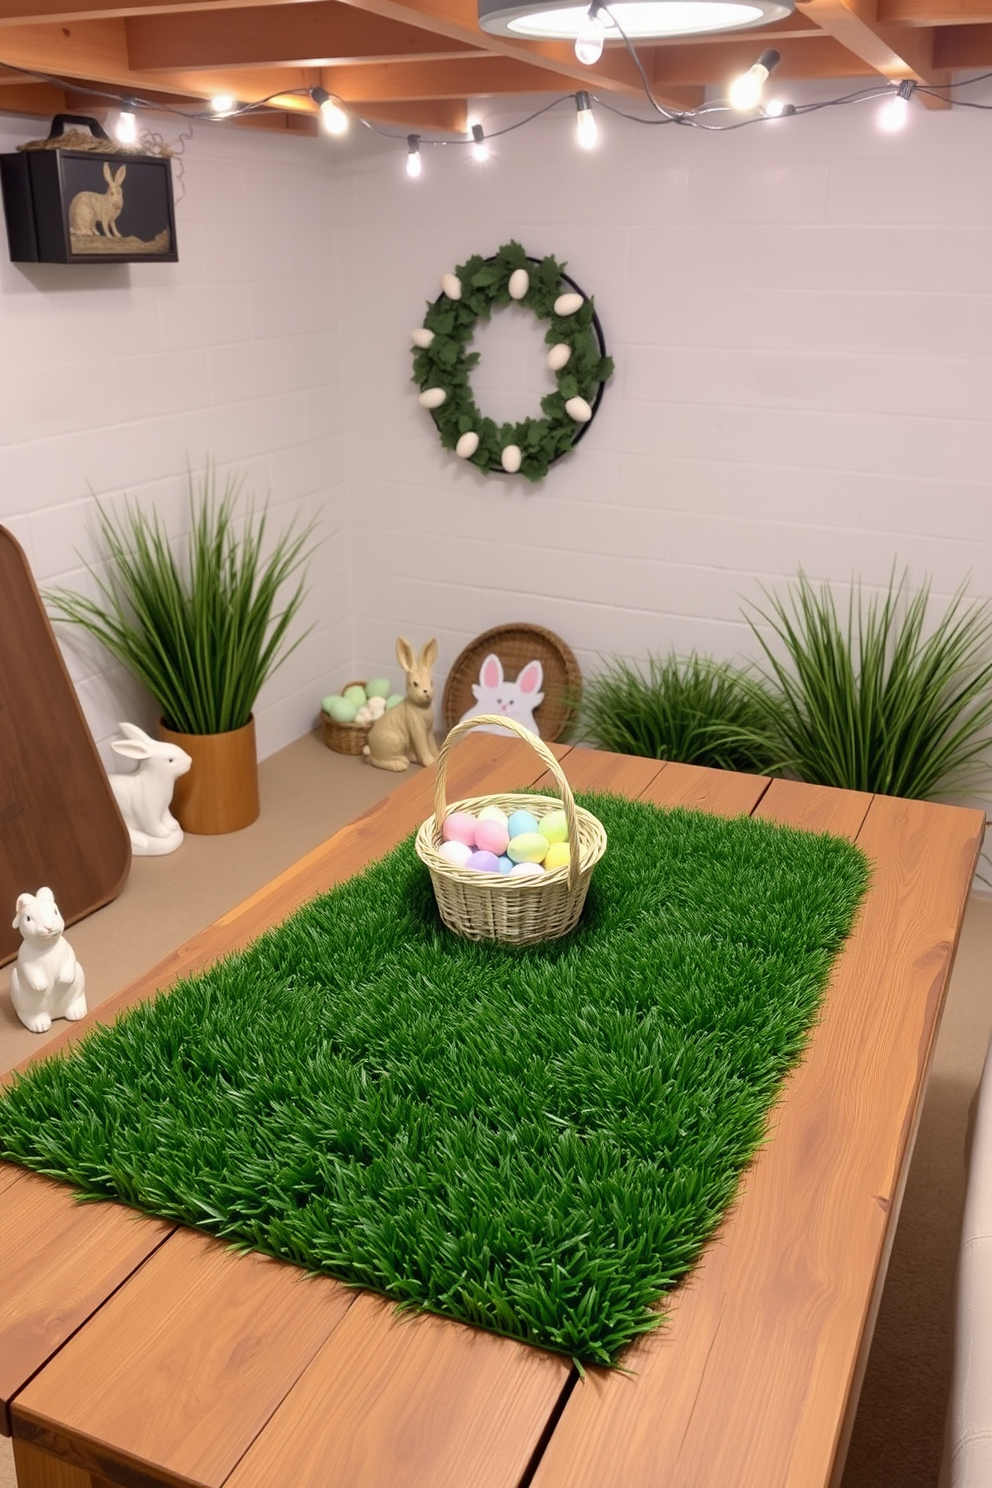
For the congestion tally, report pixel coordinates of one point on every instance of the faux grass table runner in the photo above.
(534, 1140)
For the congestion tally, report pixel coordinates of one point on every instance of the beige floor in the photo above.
(308, 793)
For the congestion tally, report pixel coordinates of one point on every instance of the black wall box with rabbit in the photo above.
(91, 205)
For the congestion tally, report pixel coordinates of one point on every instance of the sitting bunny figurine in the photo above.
(47, 981)
(405, 732)
(144, 796)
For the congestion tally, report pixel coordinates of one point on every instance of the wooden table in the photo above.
(136, 1353)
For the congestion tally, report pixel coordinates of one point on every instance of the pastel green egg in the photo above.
(341, 710)
(379, 687)
(554, 826)
(356, 694)
(528, 847)
(493, 813)
(326, 703)
(393, 699)
(558, 856)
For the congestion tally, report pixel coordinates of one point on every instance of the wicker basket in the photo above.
(493, 906)
(516, 645)
(345, 738)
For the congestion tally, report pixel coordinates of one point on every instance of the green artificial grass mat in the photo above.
(535, 1140)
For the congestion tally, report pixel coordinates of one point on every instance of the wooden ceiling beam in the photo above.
(893, 53)
(446, 116)
(962, 47)
(426, 81)
(718, 65)
(934, 12)
(306, 34)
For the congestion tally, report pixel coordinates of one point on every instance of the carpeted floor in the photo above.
(308, 792)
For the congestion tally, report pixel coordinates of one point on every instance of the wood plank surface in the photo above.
(701, 789)
(59, 1261)
(184, 1365)
(408, 1402)
(9, 1174)
(749, 1383)
(36, 1469)
(481, 763)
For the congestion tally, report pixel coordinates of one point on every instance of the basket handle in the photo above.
(539, 746)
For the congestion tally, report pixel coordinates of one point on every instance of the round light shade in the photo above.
(541, 20)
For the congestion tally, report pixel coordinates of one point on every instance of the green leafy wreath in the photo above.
(442, 362)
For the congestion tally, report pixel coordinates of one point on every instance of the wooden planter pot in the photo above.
(219, 793)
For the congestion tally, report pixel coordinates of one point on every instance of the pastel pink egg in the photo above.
(460, 827)
(485, 862)
(492, 836)
(456, 853)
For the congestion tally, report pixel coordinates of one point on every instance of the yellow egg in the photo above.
(528, 847)
(557, 856)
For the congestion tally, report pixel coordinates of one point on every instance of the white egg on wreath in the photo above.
(443, 360)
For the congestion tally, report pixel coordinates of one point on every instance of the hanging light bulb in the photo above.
(894, 112)
(480, 146)
(126, 128)
(332, 115)
(745, 91)
(413, 161)
(592, 34)
(586, 128)
(223, 104)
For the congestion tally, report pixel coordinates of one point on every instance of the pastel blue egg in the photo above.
(521, 822)
(505, 864)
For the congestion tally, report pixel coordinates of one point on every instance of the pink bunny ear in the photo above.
(491, 674)
(531, 677)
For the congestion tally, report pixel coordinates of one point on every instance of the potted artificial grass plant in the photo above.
(202, 633)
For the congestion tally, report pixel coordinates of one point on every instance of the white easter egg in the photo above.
(567, 304)
(467, 445)
(422, 337)
(452, 286)
(558, 356)
(510, 458)
(432, 397)
(519, 284)
(579, 410)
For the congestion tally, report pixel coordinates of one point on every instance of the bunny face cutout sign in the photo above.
(517, 700)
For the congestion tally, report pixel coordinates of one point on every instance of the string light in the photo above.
(586, 128)
(126, 128)
(413, 161)
(592, 34)
(223, 105)
(745, 91)
(333, 116)
(480, 146)
(894, 113)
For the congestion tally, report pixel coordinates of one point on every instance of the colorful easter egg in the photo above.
(459, 827)
(558, 856)
(492, 836)
(505, 864)
(485, 862)
(521, 821)
(378, 687)
(554, 826)
(526, 870)
(340, 709)
(456, 853)
(355, 694)
(493, 813)
(528, 847)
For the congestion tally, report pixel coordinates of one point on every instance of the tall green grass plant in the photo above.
(879, 699)
(203, 634)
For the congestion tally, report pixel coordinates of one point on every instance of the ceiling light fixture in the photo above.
(334, 118)
(542, 20)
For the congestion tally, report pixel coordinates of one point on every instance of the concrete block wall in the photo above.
(800, 317)
(114, 379)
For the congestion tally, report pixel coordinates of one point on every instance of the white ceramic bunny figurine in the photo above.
(47, 982)
(516, 700)
(144, 797)
(406, 732)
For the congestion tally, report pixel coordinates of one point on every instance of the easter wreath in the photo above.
(442, 361)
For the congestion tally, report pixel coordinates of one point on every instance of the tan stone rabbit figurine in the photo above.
(405, 732)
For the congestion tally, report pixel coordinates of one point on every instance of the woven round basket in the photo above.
(345, 738)
(516, 645)
(493, 906)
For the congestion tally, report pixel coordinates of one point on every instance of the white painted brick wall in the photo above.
(112, 378)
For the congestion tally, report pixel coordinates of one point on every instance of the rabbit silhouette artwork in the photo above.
(89, 210)
(495, 694)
